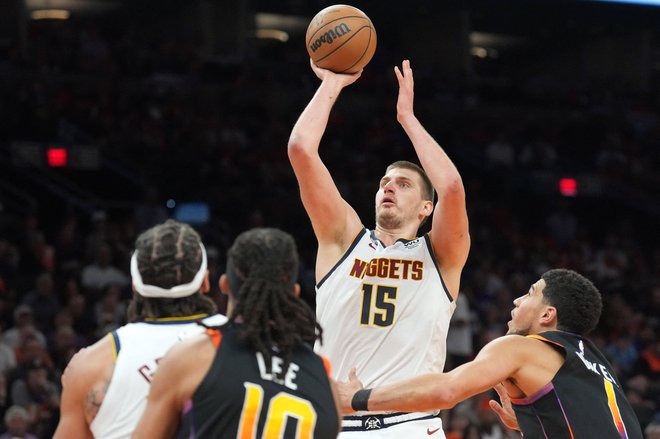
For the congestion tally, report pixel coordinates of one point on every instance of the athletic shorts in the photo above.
(392, 426)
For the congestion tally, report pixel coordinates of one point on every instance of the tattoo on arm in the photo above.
(94, 399)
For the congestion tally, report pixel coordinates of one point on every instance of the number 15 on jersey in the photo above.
(378, 305)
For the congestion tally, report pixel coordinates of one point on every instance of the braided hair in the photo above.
(262, 269)
(169, 254)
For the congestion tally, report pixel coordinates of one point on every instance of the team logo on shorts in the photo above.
(372, 423)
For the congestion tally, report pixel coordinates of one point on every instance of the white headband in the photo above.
(176, 291)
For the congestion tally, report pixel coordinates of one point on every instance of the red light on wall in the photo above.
(57, 157)
(568, 187)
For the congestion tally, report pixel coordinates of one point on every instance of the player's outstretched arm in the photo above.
(176, 379)
(335, 223)
(496, 362)
(449, 232)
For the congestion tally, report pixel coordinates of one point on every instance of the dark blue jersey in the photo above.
(584, 400)
(240, 397)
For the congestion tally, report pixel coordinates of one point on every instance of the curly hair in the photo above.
(576, 298)
(169, 254)
(262, 268)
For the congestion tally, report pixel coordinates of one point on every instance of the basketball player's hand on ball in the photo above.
(404, 104)
(346, 390)
(343, 79)
(504, 411)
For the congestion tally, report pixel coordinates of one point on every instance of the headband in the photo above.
(176, 291)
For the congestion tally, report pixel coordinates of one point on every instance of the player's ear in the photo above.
(549, 316)
(296, 289)
(206, 284)
(427, 210)
(223, 283)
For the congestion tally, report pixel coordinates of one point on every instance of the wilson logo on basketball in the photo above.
(333, 34)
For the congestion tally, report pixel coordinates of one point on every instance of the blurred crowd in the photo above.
(187, 129)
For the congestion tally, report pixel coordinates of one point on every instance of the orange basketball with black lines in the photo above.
(341, 38)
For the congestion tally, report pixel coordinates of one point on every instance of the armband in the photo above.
(360, 400)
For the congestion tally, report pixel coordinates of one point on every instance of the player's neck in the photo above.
(390, 236)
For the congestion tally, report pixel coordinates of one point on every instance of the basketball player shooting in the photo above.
(384, 296)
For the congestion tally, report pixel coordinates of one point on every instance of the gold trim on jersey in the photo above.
(175, 319)
(114, 346)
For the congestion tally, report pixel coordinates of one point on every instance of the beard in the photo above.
(388, 219)
(518, 331)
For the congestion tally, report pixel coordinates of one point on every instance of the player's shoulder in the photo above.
(513, 344)
(90, 362)
(190, 345)
(193, 352)
(99, 349)
(507, 340)
(531, 346)
(208, 335)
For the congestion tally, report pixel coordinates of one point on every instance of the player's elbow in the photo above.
(299, 143)
(297, 148)
(454, 185)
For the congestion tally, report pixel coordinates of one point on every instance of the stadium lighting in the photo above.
(50, 14)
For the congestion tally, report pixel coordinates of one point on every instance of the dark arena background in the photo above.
(118, 114)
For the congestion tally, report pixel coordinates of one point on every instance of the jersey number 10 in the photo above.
(378, 309)
(280, 407)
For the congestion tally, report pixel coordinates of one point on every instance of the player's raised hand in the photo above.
(404, 104)
(346, 390)
(343, 78)
(504, 411)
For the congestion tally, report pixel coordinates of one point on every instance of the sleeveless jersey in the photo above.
(384, 310)
(583, 400)
(138, 348)
(240, 398)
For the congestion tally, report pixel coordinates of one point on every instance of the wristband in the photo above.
(361, 400)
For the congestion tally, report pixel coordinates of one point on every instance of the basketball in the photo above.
(341, 38)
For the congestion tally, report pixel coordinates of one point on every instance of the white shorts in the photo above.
(393, 426)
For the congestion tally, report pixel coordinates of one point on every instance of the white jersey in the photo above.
(384, 310)
(138, 349)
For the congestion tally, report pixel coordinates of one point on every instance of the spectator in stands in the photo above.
(500, 153)
(150, 211)
(23, 327)
(4, 398)
(98, 235)
(43, 301)
(459, 337)
(40, 396)
(652, 431)
(17, 424)
(608, 132)
(7, 356)
(109, 311)
(101, 273)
